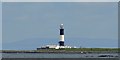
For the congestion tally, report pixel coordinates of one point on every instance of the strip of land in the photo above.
(66, 50)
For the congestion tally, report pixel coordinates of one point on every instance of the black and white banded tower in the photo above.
(61, 42)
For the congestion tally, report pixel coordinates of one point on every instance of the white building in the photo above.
(53, 47)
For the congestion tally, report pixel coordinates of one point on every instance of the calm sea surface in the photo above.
(55, 55)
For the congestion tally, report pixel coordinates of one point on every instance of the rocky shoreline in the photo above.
(60, 59)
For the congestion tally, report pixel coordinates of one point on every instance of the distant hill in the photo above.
(29, 44)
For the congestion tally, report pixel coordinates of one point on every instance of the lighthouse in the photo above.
(61, 42)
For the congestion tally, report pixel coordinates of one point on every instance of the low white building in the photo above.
(54, 47)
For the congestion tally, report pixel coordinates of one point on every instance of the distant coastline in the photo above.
(67, 50)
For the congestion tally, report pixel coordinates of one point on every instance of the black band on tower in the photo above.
(61, 31)
(61, 43)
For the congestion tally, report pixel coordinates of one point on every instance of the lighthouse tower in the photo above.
(61, 42)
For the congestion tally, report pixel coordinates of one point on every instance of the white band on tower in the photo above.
(61, 37)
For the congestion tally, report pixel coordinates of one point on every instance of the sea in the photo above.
(59, 56)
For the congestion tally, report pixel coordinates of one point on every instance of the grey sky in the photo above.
(0, 26)
(60, 0)
(23, 21)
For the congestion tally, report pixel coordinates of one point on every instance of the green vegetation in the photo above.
(64, 50)
(92, 49)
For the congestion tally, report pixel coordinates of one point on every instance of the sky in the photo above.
(0, 26)
(60, 0)
(37, 24)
